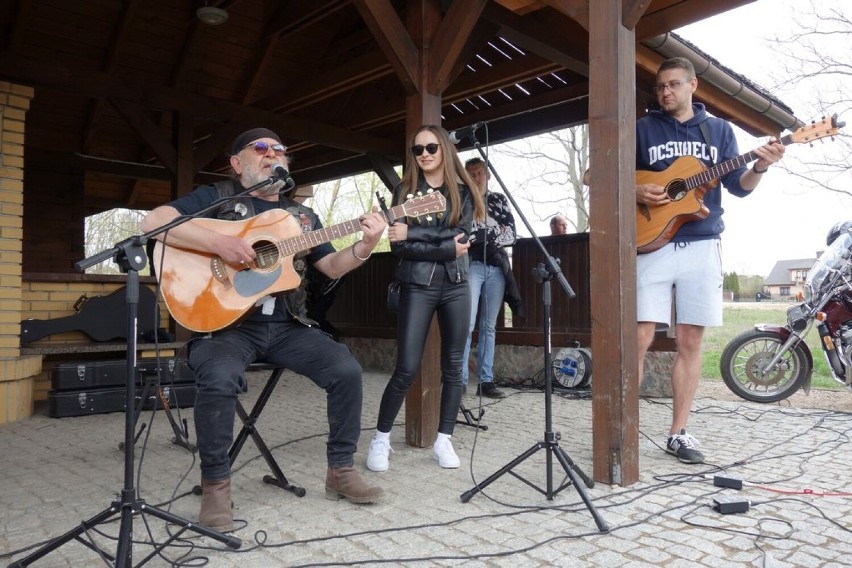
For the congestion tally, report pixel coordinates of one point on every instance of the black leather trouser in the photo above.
(451, 302)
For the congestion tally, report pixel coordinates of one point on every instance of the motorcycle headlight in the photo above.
(797, 318)
(808, 292)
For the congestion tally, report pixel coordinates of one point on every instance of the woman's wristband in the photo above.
(757, 171)
(355, 254)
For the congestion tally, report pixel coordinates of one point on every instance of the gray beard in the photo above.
(267, 190)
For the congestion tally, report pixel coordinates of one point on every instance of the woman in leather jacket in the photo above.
(433, 270)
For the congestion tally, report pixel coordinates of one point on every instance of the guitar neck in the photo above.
(713, 173)
(309, 240)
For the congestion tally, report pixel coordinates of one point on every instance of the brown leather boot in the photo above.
(345, 483)
(216, 506)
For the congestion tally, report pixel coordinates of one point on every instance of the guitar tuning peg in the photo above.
(409, 196)
(440, 215)
(430, 190)
(429, 218)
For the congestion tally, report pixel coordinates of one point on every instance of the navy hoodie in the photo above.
(661, 139)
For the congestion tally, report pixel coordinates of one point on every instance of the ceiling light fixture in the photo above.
(211, 15)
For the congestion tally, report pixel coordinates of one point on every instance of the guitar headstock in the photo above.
(828, 126)
(424, 204)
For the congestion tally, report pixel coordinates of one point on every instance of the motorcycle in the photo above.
(771, 362)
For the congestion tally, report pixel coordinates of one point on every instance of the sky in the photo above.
(783, 219)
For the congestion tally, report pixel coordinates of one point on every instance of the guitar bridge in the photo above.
(219, 272)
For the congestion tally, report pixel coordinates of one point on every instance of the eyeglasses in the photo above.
(262, 148)
(671, 85)
(417, 149)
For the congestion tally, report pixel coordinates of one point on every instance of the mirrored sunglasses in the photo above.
(417, 149)
(262, 148)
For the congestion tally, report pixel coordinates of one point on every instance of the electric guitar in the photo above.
(204, 293)
(687, 180)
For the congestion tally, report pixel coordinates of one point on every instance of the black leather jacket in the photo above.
(431, 240)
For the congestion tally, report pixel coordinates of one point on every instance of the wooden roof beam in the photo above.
(539, 34)
(450, 40)
(577, 10)
(394, 40)
(632, 11)
(656, 22)
(49, 75)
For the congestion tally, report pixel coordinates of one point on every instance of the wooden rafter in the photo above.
(632, 11)
(450, 40)
(577, 10)
(393, 39)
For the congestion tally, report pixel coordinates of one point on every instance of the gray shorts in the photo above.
(692, 272)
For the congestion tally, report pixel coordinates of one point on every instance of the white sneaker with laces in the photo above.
(377, 458)
(445, 454)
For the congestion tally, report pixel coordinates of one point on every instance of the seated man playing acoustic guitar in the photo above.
(276, 329)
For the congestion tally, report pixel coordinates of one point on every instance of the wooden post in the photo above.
(612, 115)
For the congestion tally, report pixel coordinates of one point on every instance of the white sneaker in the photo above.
(445, 454)
(380, 449)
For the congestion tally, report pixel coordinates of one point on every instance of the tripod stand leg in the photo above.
(467, 495)
(573, 472)
(70, 535)
(469, 420)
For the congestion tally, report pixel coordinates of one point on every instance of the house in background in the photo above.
(787, 278)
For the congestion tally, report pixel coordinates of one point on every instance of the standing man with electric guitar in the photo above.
(690, 263)
(274, 328)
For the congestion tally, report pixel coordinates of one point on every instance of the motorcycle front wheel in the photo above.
(744, 361)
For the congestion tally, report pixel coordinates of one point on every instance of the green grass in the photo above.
(740, 318)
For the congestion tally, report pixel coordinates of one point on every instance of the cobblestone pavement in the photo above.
(56, 473)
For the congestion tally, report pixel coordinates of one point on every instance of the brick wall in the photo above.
(16, 372)
(46, 298)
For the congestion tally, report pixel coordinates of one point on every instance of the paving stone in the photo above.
(56, 473)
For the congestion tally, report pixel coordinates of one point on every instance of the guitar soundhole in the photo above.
(676, 190)
(267, 255)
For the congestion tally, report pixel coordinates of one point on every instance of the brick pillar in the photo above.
(16, 372)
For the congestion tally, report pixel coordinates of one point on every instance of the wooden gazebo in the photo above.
(129, 103)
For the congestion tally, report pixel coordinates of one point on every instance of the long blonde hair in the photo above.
(453, 172)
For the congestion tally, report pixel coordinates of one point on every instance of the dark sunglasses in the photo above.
(262, 148)
(417, 149)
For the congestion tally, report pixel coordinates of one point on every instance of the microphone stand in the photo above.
(130, 256)
(544, 273)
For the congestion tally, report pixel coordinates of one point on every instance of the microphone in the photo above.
(457, 136)
(278, 171)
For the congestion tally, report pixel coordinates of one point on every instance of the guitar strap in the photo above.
(705, 132)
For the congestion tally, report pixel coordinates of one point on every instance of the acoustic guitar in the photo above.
(688, 180)
(204, 293)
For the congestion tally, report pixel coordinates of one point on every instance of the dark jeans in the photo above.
(417, 304)
(219, 363)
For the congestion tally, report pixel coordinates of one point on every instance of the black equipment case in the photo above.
(94, 387)
(113, 373)
(63, 404)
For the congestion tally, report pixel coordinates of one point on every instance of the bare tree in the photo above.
(345, 199)
(105, 230)
(817, 58)
(551, 176)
